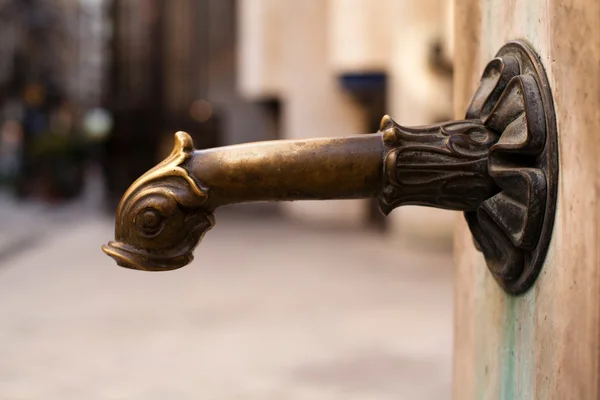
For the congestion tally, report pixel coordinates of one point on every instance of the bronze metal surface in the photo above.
(498, 165)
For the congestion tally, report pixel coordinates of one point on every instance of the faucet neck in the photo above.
(348, 167)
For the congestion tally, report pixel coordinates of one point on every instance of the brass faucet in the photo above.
(498, 166)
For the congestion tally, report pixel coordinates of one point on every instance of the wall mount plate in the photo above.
(513, 228)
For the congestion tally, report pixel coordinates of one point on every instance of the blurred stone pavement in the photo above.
(268, 310)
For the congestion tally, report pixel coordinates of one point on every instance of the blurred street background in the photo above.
(296, 301)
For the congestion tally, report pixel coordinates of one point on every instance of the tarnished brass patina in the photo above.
(498, 165)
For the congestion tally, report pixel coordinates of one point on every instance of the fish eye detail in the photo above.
(149, 222)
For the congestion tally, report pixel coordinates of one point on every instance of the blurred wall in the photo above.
(360, 35)
(285, 53)
(297, 51)
(260, 48)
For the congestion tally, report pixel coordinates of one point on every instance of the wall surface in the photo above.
(360, 34)
(260, 43)
(544, 344)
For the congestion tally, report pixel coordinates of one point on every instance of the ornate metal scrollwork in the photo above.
(498, 165)
(443, 166)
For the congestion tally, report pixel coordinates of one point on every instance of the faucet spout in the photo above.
(498, 165)
(164, 214)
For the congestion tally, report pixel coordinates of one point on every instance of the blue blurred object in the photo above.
(364, 85)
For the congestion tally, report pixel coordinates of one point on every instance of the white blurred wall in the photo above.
(360, 35)
(260, 46)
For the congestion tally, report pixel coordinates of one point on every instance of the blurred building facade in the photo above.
(226, 71)
(50, 72)
(337, 66)
(152, 67)
(173, 68)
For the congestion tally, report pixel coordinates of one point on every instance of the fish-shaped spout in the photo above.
(164, 214)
